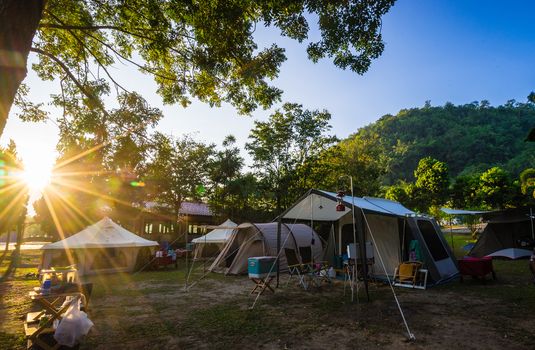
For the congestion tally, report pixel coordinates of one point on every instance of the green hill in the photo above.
(469, 138)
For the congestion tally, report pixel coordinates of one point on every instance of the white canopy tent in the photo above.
(104, 247)
(211, 243)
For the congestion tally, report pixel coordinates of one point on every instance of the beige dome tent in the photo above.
(104, 247)
(250, 240)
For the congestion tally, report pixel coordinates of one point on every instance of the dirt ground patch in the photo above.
(153, 310)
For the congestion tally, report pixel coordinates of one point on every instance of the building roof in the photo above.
(186, 208)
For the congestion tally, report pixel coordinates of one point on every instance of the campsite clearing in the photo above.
(151, 310)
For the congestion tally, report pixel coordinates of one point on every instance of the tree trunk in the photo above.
(15, 255)
(4, 254)
(18, 24)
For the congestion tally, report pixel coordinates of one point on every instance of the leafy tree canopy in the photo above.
(284, 146)
(200, 49)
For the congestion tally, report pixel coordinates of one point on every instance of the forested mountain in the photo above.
(468, 138)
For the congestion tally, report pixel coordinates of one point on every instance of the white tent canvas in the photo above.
(211, 243)
(386, 225)
(104, 247)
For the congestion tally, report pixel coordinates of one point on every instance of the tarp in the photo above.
(218, 235)
(512, 253)
(103, 234)
(462, 212)
(320, 205)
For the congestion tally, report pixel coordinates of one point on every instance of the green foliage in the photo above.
(178, 167)
(285, 149)
(179, 44)
(361, 156)
(463, 192)
(469, 138)
(13, 191)
(494, 188)
(527, 180)
(401, 192)
(100, 155)
(432, 181)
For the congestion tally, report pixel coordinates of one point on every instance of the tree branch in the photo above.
(91, 53)
(67, 71)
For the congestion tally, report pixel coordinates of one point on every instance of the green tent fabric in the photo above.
(414, 246)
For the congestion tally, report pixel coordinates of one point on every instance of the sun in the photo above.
(36, 175)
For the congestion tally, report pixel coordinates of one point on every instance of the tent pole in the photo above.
(363, 258)
(403, 251)
(360, 240)
(279, 223)
(187, 268)
(531, 220)
(451, 235)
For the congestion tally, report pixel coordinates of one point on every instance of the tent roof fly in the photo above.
(321, 206)
(103, 234)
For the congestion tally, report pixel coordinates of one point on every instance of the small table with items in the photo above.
(476, 267)
(164, 258)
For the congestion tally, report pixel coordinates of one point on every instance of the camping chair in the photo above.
(295, 268)
(410, 274)
(317, 270)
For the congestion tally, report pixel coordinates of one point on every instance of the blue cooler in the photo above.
(261, 266)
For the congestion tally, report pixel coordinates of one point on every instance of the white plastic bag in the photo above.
(73, 326)
(331, 273)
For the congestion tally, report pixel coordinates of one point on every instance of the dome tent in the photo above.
(250, 240)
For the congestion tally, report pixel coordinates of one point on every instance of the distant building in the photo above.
(156, 224)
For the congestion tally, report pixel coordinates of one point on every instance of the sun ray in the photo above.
(17, 199)
(97, 147)
(59, 228)
(60, 174)
(62, 197)
(94, 193)
(12, 187)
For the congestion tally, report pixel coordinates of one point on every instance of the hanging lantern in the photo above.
(340, 206)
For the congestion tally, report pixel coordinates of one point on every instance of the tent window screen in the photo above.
(432, 240)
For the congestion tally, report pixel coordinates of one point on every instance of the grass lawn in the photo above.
(153, 310)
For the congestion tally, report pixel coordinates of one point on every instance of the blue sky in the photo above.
(456, 51)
